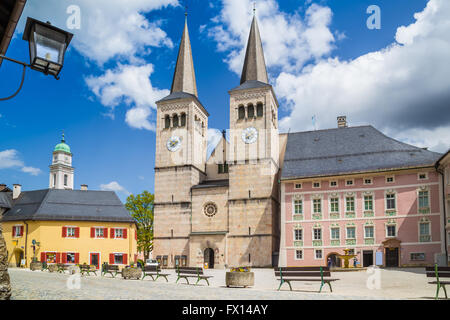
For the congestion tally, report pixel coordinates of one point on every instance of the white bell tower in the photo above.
(61, 170)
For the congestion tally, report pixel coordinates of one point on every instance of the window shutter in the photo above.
(92, 232)
(111, 258)
(42, 256)
(64, 257)
(21, 231)
(125, 233)
(64, 232)
(14, 231)
(58, 257)
(125, 258)
(77, 258)
(112, 233)
(77, 232)
(105, 233)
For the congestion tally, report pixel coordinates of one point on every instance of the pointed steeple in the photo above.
(254, 64)
(184, 76)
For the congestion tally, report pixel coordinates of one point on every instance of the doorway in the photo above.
(335, 261)
(95, 260)
(18, 257)
(392, 257)
(367, 258)
(209, 258)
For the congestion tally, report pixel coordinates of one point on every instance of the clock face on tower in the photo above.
(250, 135)
(174, 144)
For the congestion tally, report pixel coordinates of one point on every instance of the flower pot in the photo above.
(52, 268)
(36, 266)
(132, 273)
(240, 279)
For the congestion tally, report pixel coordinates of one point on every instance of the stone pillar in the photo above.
(5, 286)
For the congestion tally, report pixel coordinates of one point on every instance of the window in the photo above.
(17, 231)
(183, 119)
(391, 231)
(423, 176)
(317, 234)
(167, 122)
(423, 199)
(369, 232)
(221, 169)
(165, 261)
(65, 180)
(417, 256)
(317, 205)
(175, 121)
(54, 180)
(118, 233)
(368, 203)
(316, 185)
(298, 186)
(99, 232)
(390, 201)
(335, 233)
(298, 206)
(70, 232)
(50, 257)
(349, 182)
(333, 183)
(251, 111)
(424, 232)
(183, 261)
(298, 254)
(367, 181)
(298, 234)
(390, 179)
(241, 113)
(259, 110)
(318, 254)
(351, 233)
(118, 258)
(334, 205)
(350, 204)
(70, 257)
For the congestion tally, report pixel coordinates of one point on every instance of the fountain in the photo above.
(346, 257)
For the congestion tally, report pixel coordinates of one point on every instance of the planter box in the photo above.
(36, 266)
(52, 268)
(240, 279)
(132, 273)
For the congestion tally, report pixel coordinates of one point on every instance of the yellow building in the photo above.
(62, 225)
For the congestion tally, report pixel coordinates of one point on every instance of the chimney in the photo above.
(84, 187)
(17, 189)
(342, 121)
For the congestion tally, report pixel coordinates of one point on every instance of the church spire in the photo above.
(184, 76)
(254, 64)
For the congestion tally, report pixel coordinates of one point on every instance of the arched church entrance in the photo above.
(209, 258)
(18, 256)
(335, 261)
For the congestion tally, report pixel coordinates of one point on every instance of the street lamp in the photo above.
(47, 45)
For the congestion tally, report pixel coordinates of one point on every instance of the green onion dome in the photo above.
(62, 146)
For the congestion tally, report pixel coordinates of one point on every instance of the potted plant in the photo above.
(240, 277)
(35, 264)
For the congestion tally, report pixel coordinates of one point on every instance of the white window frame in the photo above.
(349, 180)
(346, 232)
(354, 203)
(386, 200)
(313, 207)
(429, 230)
(293, 206)
(103, 231)
(337, 184)
(295, 234)
(418, 198)
(313, 184)
(424, 256)
(368, 184)
(118, 253)
(67, 254)
(314, 234)
(421, 173)
(67, 231)
(315, 254)
(20, 228)
(373, 231)
(364, 201)
(330, 206)
(387, 230)
(115, 233)
(298, 186)
(295, 254)
(331, 233)
(391, 176)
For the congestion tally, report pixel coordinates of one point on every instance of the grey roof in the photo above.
(251, 84)
(212, 184)
(349, 150)
(183, 95)
(254, 64)
(5, 200)
(68, 205)
(184, 76)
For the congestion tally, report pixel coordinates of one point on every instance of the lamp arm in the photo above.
(23, 76)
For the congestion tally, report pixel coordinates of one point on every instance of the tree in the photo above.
(141, 209)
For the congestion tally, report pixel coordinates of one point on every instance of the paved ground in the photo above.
(395, 284)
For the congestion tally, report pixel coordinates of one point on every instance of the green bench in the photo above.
(111, 269)
(304, 274)
(153, 271)
(87, 269)
(438, 273)
(197, 273)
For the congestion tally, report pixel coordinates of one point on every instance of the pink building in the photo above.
(355, 188)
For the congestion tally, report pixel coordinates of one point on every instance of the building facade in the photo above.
(62, 225)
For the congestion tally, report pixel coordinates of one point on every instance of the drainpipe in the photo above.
(441, 172)
(26, 242)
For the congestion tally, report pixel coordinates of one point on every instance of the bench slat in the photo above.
(441, 274)
(447, 269)
(301, 274)
(283, 269)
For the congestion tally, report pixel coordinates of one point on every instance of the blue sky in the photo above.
(391, 78)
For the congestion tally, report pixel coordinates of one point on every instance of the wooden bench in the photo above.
(63, 267)
(107, 268)
(153, 271)
(289, 274)
(88, 269)
(186, 273)
(437, 273)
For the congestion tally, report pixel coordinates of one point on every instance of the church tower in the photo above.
(61, 170)
(254, 162)
(181, 143)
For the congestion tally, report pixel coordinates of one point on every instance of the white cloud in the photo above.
(130, 85)
(114, 186)
(9, 159)
(404, 89)
(289, 41)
